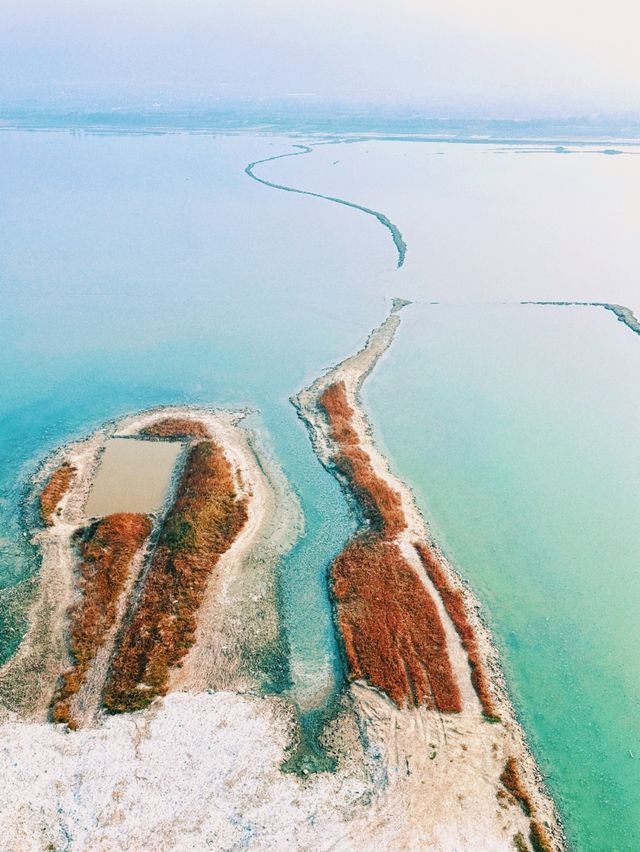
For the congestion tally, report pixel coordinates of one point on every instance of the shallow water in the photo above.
(144, 271)
(150, 270)
(132, 476)
(488, 222)
(521, 443)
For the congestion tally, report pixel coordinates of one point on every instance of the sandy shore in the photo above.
(201, 768)
(441, 791)
(225, 644)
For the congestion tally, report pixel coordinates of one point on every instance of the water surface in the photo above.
(139, 271)
(149, 270)
(518, 429)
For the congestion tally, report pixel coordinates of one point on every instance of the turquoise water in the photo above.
(139, 271)
(518, 429)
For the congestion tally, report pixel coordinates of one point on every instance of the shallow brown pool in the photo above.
(133, 476)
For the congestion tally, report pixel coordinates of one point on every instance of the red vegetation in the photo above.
(107, 548)
(453, 601)
(203, 522)
(55, 489)
(391, 629)
(392, 632)
(512, 782)
(540, 840)
(380, 504)
(176, 427)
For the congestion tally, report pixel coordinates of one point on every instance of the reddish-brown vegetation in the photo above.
(453, 601)
(176, 427)
(391, 629)
(106, 549)
(380, 504)
(55, 489)
(539, 837)
(512, 782)
(392, 632)
(203, 522)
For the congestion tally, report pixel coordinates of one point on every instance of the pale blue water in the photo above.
(138, 271)
(518, 429)
(145, 270)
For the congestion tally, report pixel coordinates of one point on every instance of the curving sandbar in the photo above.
(396, 235)
(427, 686)
(623, 314)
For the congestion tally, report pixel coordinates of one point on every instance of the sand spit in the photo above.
(402, 737)
(624, 315)
(392, 634)
(396, 235)
(57, 486)
(28, 681)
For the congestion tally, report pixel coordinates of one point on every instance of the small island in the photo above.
(143, 525)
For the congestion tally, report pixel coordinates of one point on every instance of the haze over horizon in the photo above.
(502, 60)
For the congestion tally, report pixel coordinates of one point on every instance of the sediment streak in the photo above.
(625, 315)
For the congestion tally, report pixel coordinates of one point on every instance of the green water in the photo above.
(518, 429)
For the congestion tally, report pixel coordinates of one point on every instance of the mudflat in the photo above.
(133, 476)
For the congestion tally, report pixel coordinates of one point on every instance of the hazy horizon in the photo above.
(445, 60)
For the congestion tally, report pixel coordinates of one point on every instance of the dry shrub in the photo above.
(380, 504)
(336, 406)
(520, 843)
(176, 427)
(392, 632)
(540, 840)
(57, 486)
(203, 522)
(107, 548)
(538, 836)
(453, 601)
(513, 783)
(391, 629)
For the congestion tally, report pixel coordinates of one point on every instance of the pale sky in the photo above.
(495, 57)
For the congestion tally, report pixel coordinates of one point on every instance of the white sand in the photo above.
(202, 772)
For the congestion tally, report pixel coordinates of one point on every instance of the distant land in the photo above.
(310, 115)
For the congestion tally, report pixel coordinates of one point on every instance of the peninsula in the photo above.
(157, 622)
